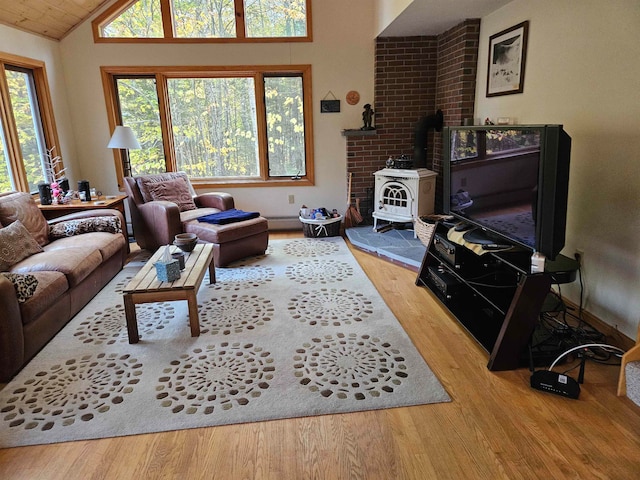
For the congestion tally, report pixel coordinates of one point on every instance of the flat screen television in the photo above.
(509, 182)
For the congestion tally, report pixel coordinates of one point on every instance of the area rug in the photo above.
(298, 331)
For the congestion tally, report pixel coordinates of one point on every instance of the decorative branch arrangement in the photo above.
(54, 176)
(51, 173)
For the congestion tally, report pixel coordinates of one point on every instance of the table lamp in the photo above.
(124, 139)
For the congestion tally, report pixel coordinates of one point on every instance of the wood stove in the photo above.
(402, 195)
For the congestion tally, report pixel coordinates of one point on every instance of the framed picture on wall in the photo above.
(507, 54)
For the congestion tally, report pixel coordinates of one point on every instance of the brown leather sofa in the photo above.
(70, 271)
(156, 222)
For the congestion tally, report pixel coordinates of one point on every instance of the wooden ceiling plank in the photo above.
(53, 19)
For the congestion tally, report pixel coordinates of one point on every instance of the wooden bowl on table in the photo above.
(186, 241)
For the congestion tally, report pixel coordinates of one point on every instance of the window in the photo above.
(205, 20)
(229, 127)
(27, 130)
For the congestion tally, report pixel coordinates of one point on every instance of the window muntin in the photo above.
(223, 125)
(27, 124)
(205, 21)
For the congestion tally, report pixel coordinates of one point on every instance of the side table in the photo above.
(54, 211)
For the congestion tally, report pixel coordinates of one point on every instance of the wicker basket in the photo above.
(321, 228)
(425, 227)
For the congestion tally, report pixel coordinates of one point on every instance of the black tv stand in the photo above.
(493, 295)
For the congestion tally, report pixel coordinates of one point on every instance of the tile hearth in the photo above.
(394, 245)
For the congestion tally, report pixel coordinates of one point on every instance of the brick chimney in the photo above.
(414, 77)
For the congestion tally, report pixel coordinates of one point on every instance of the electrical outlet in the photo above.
(292, 199)
(579, 255)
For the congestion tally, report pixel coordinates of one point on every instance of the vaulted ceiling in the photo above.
(56, 18)
(49, 18)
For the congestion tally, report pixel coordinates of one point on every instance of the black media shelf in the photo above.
(494, 296)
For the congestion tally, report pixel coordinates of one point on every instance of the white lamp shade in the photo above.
(123, 137)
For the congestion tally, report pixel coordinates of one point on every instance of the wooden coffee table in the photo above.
(146, 288)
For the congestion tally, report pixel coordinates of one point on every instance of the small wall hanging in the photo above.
(353, 97)
(329, 106)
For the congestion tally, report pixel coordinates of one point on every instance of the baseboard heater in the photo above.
(284, 223)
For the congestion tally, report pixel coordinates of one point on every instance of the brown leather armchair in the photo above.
(157, 221)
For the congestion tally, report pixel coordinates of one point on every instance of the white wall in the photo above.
(583, 71)
(387, 11)
(24, 44)
(342, 59)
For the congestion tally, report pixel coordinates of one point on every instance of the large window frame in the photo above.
(46, 117)
(110, 75)
(120, 6)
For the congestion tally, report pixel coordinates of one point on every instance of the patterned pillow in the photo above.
(21, 206)
(25, 285)
(16, 243)
(175, 190)
(69, 228)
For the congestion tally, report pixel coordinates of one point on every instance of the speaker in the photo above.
(44, 190)
(84, 190)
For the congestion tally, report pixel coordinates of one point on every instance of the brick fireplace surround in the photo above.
(414, 76)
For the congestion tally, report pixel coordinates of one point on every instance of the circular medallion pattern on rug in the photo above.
(309, 248)
(106, 326)
(233, 279)
(234, 314)
(334, 307)
(79, 389)
(350, 366)
(216, 377)
(319, 272)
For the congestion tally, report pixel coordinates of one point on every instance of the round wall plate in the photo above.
(353, 97)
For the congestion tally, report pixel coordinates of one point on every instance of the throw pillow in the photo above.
(25, 285)
(69, 228)
(16, 243)
(175, 190)
(21, 206)
(144, 181)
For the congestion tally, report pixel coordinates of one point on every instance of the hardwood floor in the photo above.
(495, 427)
